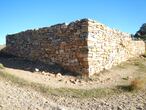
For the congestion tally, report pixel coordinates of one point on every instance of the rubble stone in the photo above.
(36, 70)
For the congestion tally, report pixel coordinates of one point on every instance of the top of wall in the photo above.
(60, 25)
(85, 22)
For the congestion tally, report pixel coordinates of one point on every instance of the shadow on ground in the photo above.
(14, 62)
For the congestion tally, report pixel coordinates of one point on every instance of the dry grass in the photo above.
(137, 84)
(134, 85)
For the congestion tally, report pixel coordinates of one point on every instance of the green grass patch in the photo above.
(65, 92)
(81, 93)
(126, 88)
(13, 78)
(141, 66)
(122, 66)
(125, 78)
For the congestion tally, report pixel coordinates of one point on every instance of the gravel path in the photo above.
(13, 97)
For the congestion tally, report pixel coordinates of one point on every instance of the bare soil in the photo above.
(57, 79)
(14, 97)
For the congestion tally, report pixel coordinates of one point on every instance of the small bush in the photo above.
(137, 84)
(1, 66)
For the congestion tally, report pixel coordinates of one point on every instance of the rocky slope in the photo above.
(141, 33)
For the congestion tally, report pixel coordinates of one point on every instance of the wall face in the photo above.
(84, 47)
(108, 47)
(61, 44)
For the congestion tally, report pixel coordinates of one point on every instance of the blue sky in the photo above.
(20, 15)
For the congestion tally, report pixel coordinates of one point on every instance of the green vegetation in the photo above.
(127, 78)
(122, 66)
(13, 78)
(140, 63)
(1, 66)
(143, 37)
(65, 92)
(135, 85)
(69, 92)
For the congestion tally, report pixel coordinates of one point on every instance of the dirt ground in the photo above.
(27, 70)
(14, 97)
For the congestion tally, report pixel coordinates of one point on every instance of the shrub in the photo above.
(137, 84)
(1, 66)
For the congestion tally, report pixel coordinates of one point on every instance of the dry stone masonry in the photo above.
(84, 47)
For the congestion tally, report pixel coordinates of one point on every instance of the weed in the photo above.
(125, 78)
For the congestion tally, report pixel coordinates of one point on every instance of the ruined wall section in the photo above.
(60, 44)
(85, 46)
(108, 47)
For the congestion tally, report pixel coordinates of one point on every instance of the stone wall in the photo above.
(84, 47)
(108, 47)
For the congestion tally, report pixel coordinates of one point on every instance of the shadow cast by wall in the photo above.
(15, 62)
